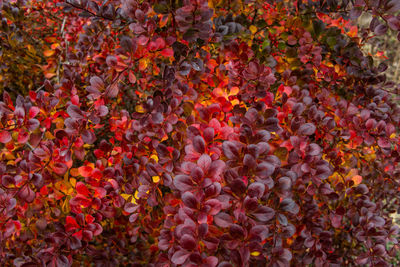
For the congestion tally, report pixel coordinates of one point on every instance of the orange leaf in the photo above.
(48, 53)
(357, 179)
(85, 171)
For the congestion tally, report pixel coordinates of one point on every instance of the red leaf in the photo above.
(33, 111)
(100, 192)
(60, 168)
(23, 136)
(5, 137)
(167, 52)
(71, 224)
(82, 189)
(85, 171)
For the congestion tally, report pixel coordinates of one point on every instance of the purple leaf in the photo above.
(190, 200)
(223, 219)
(112, 90)
(204, 162)
(208, 134)
(199, 144)
(230, 150)
(88, 136)
(313, 149)
(130, 207)
(380, 29)
(250, 203)
(265, 169)
(32, 124)
(256, 190)
(216, 169)
(183, 182)
(290, 206)
(260, 232)
(249, 161)
(214, 205)
(27, 194)
(264, 214)
(96, 83)
(197, 174)
(75, 243)
(62, 261)
(74, 112)
(180, 256)
(306, 129)
(284, 184)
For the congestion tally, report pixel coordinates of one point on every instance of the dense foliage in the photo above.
(195, 133)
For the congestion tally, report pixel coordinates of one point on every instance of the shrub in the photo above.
(194, 133)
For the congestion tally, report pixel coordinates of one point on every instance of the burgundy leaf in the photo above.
(180, 256)
(188, 242)
(27, 194)
(190, 200)
(236, 231)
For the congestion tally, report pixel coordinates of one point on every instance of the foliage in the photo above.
(29, 44)
(194, 133)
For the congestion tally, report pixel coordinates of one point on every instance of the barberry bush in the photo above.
(197, 133)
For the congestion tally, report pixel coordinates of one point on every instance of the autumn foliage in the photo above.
(196, 133)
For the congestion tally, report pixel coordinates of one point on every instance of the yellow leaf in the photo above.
(154, 157)
(156, 179)
(140, 109)
(127, 196)
(143, 64)
(48, 135)
(72, 181)
(65, 206)
(235, 102)
(234, 91)
(255, 253)
(253, 29)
